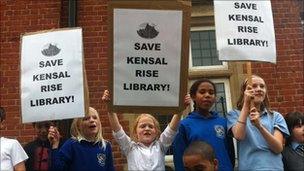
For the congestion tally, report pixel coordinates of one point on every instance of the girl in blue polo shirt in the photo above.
(259, 131)
(203, 125)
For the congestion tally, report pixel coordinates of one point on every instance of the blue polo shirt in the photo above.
(82, 155)
(212, 130)
(254, 152)
(294, 145)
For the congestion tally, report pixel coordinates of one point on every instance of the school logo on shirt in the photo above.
(101, 159)
(220, 131)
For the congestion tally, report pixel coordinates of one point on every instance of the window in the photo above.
(203, 53)
(164, 120)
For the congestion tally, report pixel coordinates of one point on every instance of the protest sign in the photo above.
(149, 50)
(52, 75)
(245, 31)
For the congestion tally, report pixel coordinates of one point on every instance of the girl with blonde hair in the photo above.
(148, 149)
(86, 150)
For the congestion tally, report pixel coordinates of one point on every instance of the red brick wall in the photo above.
(285, 79)
(17, 18)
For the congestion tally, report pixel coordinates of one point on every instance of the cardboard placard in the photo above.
(52, 83)
(149, 48)
(245, 31)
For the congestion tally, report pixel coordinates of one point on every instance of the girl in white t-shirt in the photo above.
(12, 154)
(148, 148)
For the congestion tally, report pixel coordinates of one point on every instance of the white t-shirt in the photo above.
(141, 157)
(12, 153)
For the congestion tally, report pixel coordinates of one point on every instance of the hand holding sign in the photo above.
(149, 56)
(54, 137)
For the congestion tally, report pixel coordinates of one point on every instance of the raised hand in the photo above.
(248, 94)
(254, 117)
(187, 100)
(54, 137)
(106, 96)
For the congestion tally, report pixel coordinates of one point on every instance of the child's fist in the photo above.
(106, 96)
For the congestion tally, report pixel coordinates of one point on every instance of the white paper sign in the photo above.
(52, 75)
(244, 30)
(147, 57)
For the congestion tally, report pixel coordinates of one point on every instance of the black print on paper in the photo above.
(147, 31)
(50, 50)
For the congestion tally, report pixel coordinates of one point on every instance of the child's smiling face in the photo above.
(146, 131)
(259, 89)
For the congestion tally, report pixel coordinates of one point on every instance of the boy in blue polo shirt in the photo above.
(293, 153)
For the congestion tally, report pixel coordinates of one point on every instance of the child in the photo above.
(11, 152)
(86, 150)
(200, 156)
(259, 131)
(293, 153)
(39, 149)
(203, 125)
(148, 150)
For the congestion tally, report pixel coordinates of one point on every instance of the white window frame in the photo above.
(224, 65)
(227, 91)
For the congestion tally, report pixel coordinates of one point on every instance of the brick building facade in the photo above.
(285, 79)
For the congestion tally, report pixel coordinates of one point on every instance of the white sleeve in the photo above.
(123, 140)
(166, 138)
(17, 153)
